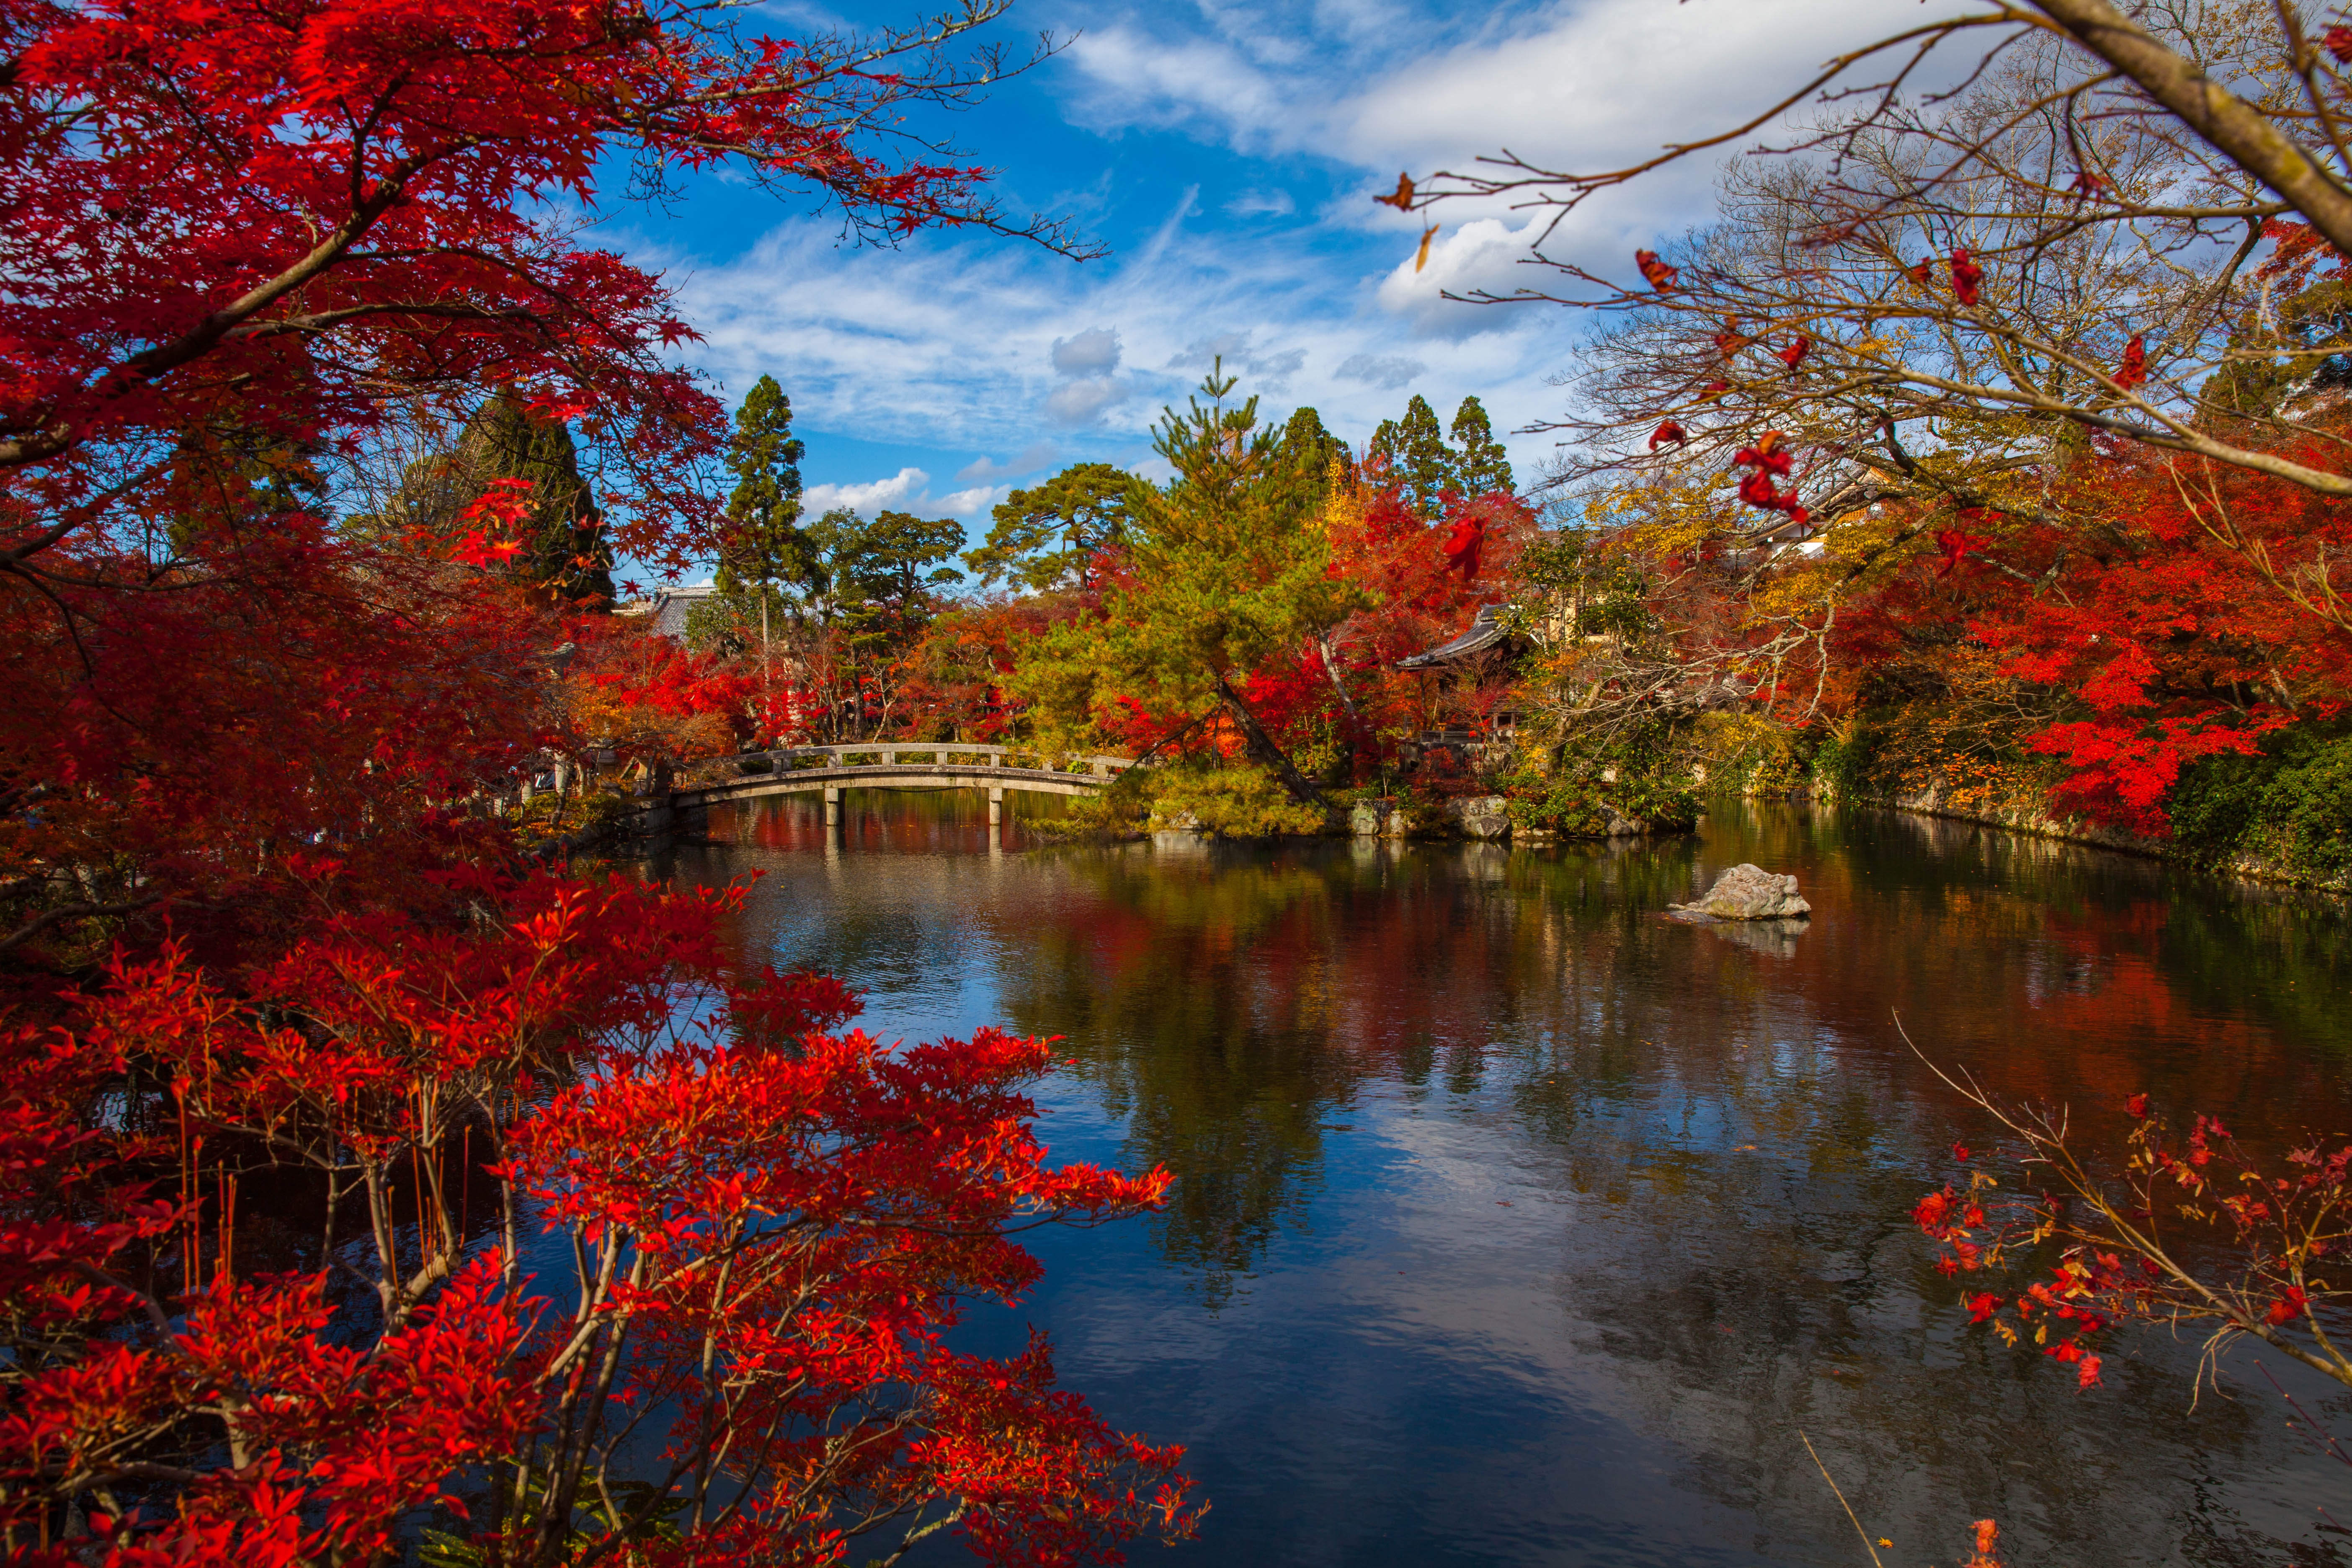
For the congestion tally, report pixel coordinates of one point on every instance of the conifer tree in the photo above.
(765, 543)
(565, 554)
(1418, 458)
(1047, 536)
(1482, 467)
(1228, 573)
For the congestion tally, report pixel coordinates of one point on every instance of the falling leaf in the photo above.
(1420, 257)
(1402, 198)
(1661, 277)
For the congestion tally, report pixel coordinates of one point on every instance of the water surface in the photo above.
(1514, 1222)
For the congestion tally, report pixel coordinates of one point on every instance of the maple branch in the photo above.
(208, 333)
(52, 915)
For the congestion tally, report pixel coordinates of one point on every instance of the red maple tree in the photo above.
(360, 1180)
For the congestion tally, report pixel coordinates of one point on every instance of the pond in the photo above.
(1516, 1223)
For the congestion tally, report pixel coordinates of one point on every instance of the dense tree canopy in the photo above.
(305, 1060)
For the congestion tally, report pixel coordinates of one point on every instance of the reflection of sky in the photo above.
(1578, 1215)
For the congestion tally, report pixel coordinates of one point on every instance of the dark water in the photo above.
(1514, 1222)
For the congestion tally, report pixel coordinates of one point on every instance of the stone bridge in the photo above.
(798, 770)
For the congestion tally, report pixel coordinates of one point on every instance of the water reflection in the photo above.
(1517, 1222)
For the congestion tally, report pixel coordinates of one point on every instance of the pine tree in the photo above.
(1419, 460)
(1483, 467)
(1047, 536)
(1229, 573)
(565, 553)
(765, 543)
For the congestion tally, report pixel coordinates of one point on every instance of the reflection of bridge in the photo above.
(798, 770)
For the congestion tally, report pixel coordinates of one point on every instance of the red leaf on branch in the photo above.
(1659, 276)
(1968, 278)
(2134, 369)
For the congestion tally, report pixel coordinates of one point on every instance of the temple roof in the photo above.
(1484, 633)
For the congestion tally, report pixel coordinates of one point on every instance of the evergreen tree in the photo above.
(765, 543)
(1418, 458)
(1229, 574)
(565, 553)
(1047, 536)
(1483, 467)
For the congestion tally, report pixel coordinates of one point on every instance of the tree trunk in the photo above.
(1261, 747)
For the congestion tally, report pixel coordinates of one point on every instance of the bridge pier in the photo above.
(832, 806)
(995, 806)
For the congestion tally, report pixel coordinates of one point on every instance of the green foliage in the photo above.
(765, 543)
(1640, 773)
(564, 550)
(1418, 458)
(2291, 807)
(1483, 468)
(1307, 449)
(2309, 349)
(1745, 754)
(1605, 593)
(1421, 462)
(1048, 536)
(1227, 571)
(1846, 763)
(1232, 802)
(728, 623)
(2312, 805)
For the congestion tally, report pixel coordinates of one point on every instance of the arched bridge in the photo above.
(831, 769)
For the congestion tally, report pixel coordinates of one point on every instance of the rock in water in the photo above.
(1751, 893)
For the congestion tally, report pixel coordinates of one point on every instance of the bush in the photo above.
(2291, 807)
(2312, 806)
(1232, 802)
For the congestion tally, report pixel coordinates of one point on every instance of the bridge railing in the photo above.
(940, 755)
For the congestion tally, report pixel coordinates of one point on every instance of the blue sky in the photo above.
(1226, 154)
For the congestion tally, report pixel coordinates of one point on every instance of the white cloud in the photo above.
(947, 344)
(1094, 352)
(1582, 84)
(1263, 372)
(1388, 374)
(972, 503)
(1262, 204)
(1081, 402)
(1036, 456)
(906, 486)
(1485, 253)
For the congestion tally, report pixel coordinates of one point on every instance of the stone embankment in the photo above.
(2036, 822)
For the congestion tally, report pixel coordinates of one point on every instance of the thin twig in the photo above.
(1825, 1469)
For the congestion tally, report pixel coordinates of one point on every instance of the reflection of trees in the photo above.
(1183, 987)
(1721, 1142)
(1735, 1136)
